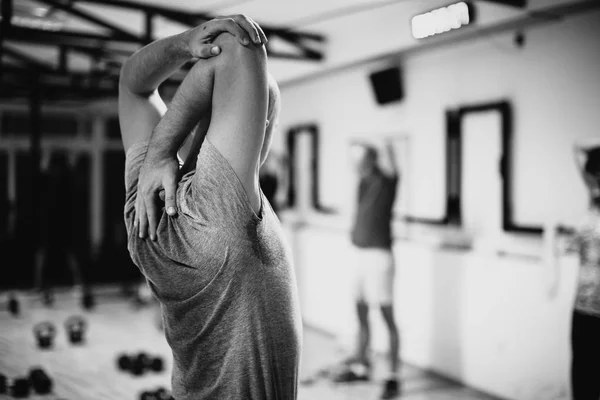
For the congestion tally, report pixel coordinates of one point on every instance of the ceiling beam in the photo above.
(70, 9)
(192, 19)
(62, 37)
(108, 50)
(30, 62)
(512, 3)
(185, 17)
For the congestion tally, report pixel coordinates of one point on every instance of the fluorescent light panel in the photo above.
(444, 19)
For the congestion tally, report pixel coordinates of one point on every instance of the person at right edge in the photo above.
(374, 270)
(585, 323)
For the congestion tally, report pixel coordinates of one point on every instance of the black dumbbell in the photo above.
(140, 364)
(20, 388)
(156, 364)
(3, 384)
(124, 362)
(40, 381)
(162, 394)
(48, 298)
(88, 301)
(44, 333)
(76, 327)
(147, 395)
(13, 306)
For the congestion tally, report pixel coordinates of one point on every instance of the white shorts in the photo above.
(374, 273)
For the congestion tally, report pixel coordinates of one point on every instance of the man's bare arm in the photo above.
(191, 101)
(140, 106)
(387, 160)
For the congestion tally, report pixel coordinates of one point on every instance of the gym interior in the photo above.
(483, 103)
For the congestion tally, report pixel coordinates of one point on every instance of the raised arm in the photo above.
(140, 106)
(387, 160)
(141, 109)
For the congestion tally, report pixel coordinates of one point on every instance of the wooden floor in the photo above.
(89, 372)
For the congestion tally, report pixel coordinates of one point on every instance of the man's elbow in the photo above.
(234, 53)
(127, 86)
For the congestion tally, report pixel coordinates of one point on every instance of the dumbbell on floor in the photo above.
(20, 388)
(159, 394)
(3, 384)
(40, 381)
(139, 364)
(14, 306)
(76, 327)
(88, 301)
(163, 394)
(44, 333)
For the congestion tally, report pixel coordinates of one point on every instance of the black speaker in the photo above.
(387, 85)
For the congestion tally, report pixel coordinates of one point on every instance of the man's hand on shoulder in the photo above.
(199, 40)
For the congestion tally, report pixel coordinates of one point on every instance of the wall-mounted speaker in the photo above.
(387, 85)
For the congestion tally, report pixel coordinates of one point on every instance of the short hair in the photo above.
(592, 164)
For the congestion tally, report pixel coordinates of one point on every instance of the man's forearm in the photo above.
(392, 156)
(191, 104)
(144, 71)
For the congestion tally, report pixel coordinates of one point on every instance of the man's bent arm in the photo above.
(190, 106)
(140, 106)
(150, 66)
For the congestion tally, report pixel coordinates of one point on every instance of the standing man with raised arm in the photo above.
(216, 261)
(374, 270)
(585, 322)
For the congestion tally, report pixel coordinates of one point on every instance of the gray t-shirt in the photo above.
(226, 284)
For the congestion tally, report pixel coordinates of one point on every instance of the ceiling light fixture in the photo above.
(444, 19)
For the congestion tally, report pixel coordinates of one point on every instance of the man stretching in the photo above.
(216, 261)
(374, 271)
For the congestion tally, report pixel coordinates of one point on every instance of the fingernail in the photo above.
(171, 211)
(215, 50)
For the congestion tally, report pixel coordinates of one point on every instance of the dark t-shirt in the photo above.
(226, 284)
(376, 195)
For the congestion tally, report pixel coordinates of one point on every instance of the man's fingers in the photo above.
(248, 26)
(137, 208)
(143, 220)
(170, 203)
(150, 202)
(208, 51)
(218, 26)
(263, 36)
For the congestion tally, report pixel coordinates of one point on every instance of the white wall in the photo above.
(482, 319)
